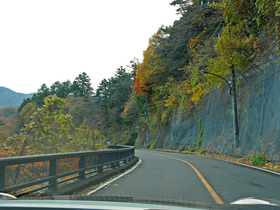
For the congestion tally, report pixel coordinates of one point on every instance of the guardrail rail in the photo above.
(23, 175)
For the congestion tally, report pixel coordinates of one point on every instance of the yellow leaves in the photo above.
(193, 41)
(194, 44)
(232, 44)
(86, 138)
(196, 92)
(215, 5)
(186, 93)
(150, 69)
(128, 111)
(100, 145)
(170, 101)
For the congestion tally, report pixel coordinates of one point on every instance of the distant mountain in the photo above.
(9, 97)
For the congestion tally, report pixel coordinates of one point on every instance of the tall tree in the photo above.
(82, 85)
(151, 71)
(39, 97)
(112, 95)
(50, 125)
(47, 130)
(62, 90)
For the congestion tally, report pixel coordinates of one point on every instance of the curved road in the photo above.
(192, 178)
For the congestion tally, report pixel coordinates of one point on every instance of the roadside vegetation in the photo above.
(219, 37)
(257, 159)
(68, 117)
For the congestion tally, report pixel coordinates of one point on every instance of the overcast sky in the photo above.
(43, 41)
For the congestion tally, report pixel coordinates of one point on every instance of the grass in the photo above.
(258, 159)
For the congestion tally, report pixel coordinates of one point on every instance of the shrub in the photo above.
(200, 133)
(192, 149)
(244, 159)
(258, 159)
(181, 148)
(202, 151)
(147, 146)
(152, 146)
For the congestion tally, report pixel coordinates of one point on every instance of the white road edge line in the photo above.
(109, 182)
(245, 165)
(254, 167)
(229, 161)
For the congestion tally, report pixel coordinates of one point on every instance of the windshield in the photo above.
(175, 102)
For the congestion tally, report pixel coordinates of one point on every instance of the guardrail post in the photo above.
(2, 177)
(52, 172)
(118, 158)
(97, 161)
(100, 161)
(82, 165)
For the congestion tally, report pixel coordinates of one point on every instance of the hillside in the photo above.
(208, 83)
(9, 97)
(209, 127)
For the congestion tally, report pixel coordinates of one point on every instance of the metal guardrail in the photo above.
(87, 164)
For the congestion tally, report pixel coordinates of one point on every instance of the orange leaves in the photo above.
(142, 79)
(6, 151)
(150, 70)
(66, 165)
(137, 86)
(140, 87)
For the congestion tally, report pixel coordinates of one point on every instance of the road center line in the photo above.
(208, 187)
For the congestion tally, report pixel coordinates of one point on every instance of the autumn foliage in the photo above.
(226, 37)
(219, 37)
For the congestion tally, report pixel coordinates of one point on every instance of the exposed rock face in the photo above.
(258, 98)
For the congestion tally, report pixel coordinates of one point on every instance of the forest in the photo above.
(220, 37)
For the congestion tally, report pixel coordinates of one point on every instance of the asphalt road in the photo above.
(191, 178)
